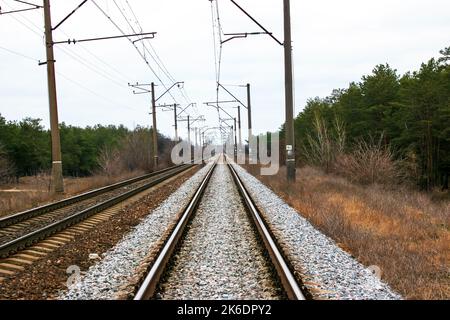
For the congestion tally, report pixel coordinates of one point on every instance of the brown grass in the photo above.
(404, 232)
(34, 191)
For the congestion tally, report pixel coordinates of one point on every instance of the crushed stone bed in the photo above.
(326, 270)
(220, 257)
(104, 280)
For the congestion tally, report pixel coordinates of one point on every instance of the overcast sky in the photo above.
(335, 42)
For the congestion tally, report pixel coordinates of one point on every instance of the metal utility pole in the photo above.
(290, 138)
(155, 132)
(57, 183)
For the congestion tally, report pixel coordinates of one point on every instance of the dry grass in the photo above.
(34, 191)
(405, 233)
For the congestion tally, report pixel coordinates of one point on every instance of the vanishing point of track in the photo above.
(150, 284)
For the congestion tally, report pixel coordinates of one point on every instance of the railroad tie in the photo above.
(9, 266)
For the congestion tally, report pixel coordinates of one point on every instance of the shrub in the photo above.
(368, 163)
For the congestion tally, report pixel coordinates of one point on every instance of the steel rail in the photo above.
(40, 234)
(28, 214)
(287, 278)
(148, 287)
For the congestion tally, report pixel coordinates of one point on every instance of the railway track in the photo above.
(28, 236)
(220, 240)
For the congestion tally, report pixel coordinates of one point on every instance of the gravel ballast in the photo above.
(104, 280)
(17, 230)
(326, 270)
(220, 257)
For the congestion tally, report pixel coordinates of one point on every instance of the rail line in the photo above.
(149, 285)
(87, 210)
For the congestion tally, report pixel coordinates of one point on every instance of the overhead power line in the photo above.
(18, 54)
(72, 54)
(141, 54)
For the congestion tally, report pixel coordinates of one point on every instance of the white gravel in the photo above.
(328, 271)
(103, 280)
(220, 257)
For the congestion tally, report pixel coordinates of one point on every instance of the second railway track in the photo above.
(220, 249)
(28, 236)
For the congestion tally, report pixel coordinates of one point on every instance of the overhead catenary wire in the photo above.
(133, 44)
(18, 54)
(182, 90)
(161, 68)
(32, 27)
(71, 53)
(156, 55)
(13, 52)
(101, 67)
(141, 54)
(15, 17)
(146, 44)
(93, 92)
(218, 50)
(91, 67)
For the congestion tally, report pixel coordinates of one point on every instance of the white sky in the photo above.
(335, 42)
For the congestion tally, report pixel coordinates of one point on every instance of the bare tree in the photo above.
(6, 166)
(135, 151)
(110, 162)
(324, 145)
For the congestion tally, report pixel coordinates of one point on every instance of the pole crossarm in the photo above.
(209, 129)
(175, 84)
(34, 7)
(144, 38)
(232, 95)
(240, 35)
(140, 87)
(218, 107)
(192, 120)
(198, 119)
(167, 107)
(190, 105)
(257, 23)
(73, 41)
(214, 103)
(226, 120)
(69, 15)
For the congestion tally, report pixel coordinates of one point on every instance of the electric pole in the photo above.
(176, 121)
(143, 90)
(57, 182)
(289, 97)
(239, 126)
(250, 133)
(155, 132)
(189, 129)
(203, 147)
(235, 140)
(196, 136)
